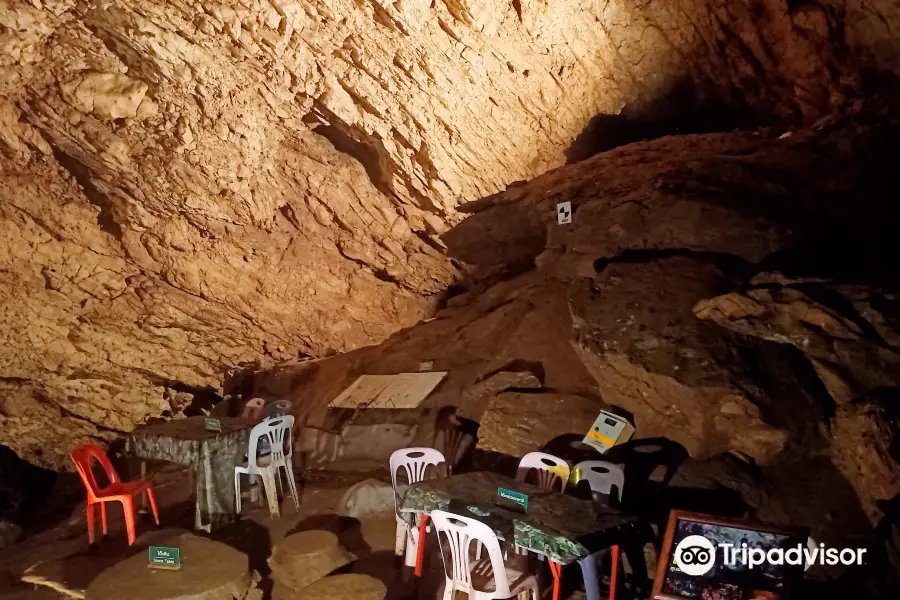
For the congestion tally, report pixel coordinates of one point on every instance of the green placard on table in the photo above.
(213, 425)
(517, 498)
(164, 557)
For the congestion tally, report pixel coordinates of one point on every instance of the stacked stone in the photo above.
(303, 558)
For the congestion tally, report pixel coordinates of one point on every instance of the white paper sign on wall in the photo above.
(564, 213)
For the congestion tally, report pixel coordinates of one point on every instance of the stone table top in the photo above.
(210, 570)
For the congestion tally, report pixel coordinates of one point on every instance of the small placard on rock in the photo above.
(164, 557)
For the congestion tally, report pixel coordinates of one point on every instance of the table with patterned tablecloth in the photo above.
(213, 455)
(563, 528)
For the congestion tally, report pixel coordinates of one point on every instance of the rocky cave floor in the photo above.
(55, 561)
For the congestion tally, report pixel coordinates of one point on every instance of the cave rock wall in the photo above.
(186, 187)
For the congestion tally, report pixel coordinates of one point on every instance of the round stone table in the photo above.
(209, 571)
(339, 587)
(300, 559)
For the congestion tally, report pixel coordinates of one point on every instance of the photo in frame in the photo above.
(726, 581)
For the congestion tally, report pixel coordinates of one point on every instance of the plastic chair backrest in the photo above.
(82, 457)
(602, 476)
(253, 410)
(415, 461)
(277, 432)
(459, 532)
(550, 469)
(279, 408)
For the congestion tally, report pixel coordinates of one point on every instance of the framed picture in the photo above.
(718, 568)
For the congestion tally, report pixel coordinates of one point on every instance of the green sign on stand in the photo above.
(165, 557)
(213, 425)
(517, 498)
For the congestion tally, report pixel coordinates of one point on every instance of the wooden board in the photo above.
(403, 390)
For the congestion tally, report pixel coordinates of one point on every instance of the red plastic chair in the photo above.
(253, 410)
(116, 491)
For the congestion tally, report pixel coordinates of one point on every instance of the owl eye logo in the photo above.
(695, 555)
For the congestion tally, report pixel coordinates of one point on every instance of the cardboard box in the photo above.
(607, 431)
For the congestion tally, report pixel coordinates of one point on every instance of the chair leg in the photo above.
(143, 478)
(448, 590)
(292, 483)
(613, 573)
(90, 522)
(268, 478)
(152, 498)
(103, 518)
(400, 539)
(128, 507)
(412, 550)
(279, 485)
(198, 518)
(591, 579)
(237, 492)
(556, 571)
(420, 540)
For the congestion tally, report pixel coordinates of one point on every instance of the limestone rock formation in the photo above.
(855, 346)
(190, 187)
(660, 300)
(849, 334)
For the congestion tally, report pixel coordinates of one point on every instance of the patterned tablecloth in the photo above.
(212, 455)
(563, 528)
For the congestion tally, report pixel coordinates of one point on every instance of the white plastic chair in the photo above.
(415, 462)
(277, 432)
(466, 574)
(279, 408)
(602, 476)
(543, 462)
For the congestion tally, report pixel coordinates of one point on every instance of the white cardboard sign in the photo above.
(403, 390)
(564, 213)
(607, 431)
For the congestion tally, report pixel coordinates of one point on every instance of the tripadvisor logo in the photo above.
(695, 555)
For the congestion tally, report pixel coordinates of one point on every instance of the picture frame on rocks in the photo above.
(724, 580)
